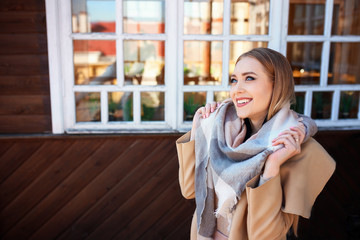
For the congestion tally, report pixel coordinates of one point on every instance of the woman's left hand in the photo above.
(291, 139)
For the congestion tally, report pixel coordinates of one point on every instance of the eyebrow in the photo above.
(243, 74)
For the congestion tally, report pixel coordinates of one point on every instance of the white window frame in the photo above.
(60, 52)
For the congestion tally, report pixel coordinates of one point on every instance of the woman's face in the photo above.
(251, 89)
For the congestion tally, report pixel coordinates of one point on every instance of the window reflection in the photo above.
(88, 107)
(299, 104)
(321, 105)
(239, 47)
(192, 101)
(344, 63)
(203, 16)
(221, 96)
(93, 16)
(349, 104)
(94, 62)
(120, 106)
(144, 62)
(346, 17)
(144, 16)
(152, 106)
(306, 17)
(305, 60)
(249, 17)
(202, 62)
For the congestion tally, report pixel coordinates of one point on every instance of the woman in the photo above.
(251, 164)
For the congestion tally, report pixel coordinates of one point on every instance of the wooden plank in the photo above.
(5, 145)
(139, 201)
(68, 189)
(25, 105)
(32, 168)
(15, 156)
(22, 5)
(23, 22)
(108, 183)
(24, 85)
(32, 43)
(43, 185)
(24, 65)
(182, 231)
(25, 124)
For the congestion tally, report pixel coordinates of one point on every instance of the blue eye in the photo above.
(233, 80)
(248, 78)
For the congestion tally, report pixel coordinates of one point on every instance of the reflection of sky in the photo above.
(104, 10)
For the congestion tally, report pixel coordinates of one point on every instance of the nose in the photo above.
(238, 87)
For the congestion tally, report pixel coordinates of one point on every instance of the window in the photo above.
(147, 65)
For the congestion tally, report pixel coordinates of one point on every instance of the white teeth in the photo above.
(242, 101)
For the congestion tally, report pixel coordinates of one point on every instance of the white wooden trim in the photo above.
(104, 109)
(137, 107)
(275, 24)
(55, 71)
(335, 105)
(180, 63)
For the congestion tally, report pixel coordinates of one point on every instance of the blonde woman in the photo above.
(251, 163)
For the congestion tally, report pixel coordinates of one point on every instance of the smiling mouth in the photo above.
(242, 102)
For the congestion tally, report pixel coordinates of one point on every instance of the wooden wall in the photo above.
(126, 187)
(24, 77)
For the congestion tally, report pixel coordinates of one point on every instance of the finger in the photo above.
(286, 139)
(213, 106)
(207, 109)
(201, 111)
(300, 131)
(294, 134)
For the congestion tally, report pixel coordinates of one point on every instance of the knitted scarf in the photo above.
(224, 163)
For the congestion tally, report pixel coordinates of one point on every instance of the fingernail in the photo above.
(207, 115)
(203, 116)
(212, 109)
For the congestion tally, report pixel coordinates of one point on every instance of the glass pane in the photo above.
(299, 102)
(203, 16)
(349, 104)
(305, 59)
(152, 106)
(344, 63)
(94, 62)
(239, 47)
(192, 101)
(93, 16)
(202, 62)
(87, 107)
(120, 106)
(306, 17)
(144, 62)
(144, 16)
(221, 96)
(346, 17)
(249, 17)
(321, 105)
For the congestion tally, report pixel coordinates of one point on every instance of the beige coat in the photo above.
(267, 211)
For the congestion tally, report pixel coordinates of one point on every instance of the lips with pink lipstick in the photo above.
(240, 102)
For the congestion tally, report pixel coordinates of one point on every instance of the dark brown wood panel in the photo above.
(25, 105)
(126, 187)
(22, 22)
(24, 65)
(22, 5)
(25, 123)
(32, 43)
(24, 85)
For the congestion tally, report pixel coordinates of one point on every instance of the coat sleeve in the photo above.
(265, 219)
(186, 155)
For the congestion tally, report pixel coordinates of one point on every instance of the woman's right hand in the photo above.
(202, 112)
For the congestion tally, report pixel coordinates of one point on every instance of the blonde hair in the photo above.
(279, 70)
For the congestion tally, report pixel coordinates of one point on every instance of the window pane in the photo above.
(249, 17)
(87, 107)
(344, 63)
(152, 106)
(306, 18)
(120, 106)
(321, 105)
(305, 59)
(239, 47)
(221, 96)
(94, 62)
(203, 16)
(144, 62)
(93, 16)
(299, 102)
(202, 62)
(192, 101)
(144, 16)
(346, 18)
(349, 104)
